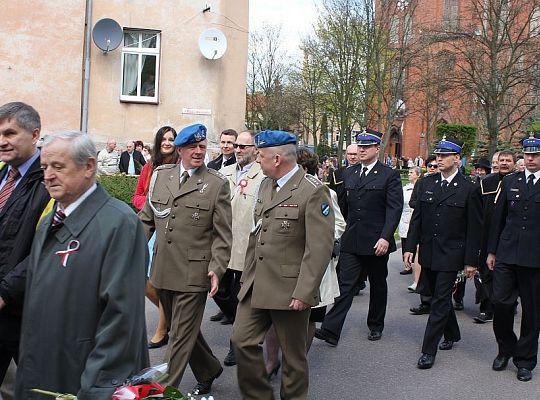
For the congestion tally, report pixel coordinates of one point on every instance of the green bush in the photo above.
(119, 186)
(467, 133)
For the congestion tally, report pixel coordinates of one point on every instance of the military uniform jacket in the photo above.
(446, 225)
(243, 196)
(375, 204)
(83, 323)
(515, 233)
(195, 237)
(291, 244)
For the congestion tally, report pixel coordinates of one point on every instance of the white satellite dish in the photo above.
(212, 43)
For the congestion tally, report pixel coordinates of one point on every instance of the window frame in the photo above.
(140, 51)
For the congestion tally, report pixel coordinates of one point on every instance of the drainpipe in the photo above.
(86, 68)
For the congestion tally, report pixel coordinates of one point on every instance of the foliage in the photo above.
(119, 186)
(323, 151)
(466, 133)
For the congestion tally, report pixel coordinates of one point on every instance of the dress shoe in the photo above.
(421, 309)
(374, 335)
(227, 320)
(230, 358)
(205, 387)
(328, 338)
(218, 317)
(426, 361)
(272, 374)
(524, 374)
(161, 343)
(406, 272)
(500, 363)
(483, 317)
(446, 345)
(458, 305)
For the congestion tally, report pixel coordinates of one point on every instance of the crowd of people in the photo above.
(258, 230)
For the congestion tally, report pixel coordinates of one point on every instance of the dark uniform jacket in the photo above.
(337, 184)
(138, 161)
(446, 225)
(217, 164)
(490, 188)
(375, 204)
(18, 220)
(515, 233)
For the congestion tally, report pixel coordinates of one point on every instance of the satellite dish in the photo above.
(212, 43)
(107, 34)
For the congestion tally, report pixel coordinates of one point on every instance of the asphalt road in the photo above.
(360, 369)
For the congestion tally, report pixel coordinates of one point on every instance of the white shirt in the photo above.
(450, 178)
(23, 169)
(369, 166)
(73, 206)
(536, 175)
(285, 178)
(190, 171)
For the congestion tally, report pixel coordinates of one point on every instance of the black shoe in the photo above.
(206, 386)
(421, 309)
(524, 374)
(218, 317)
(161, 343)
(500, 363)
(483, 317)
(446, 345)
(323, 335)
(458, 305)
(230, 358)
(406, 272)
(272, 374)
(227, 320)
(374, 335)
(426, 361)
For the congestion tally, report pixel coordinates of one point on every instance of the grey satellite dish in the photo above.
(212, 43)
(107, 34)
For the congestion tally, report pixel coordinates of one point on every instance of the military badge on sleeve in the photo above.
(325, 209)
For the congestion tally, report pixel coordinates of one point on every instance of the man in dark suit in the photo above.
(23, 198)
(227, 156)
(446, 223)
(131, 160)
(513, 258)
(375, 202)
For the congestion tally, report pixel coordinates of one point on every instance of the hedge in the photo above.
(119, 186)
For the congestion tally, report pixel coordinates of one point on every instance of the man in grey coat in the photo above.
(83, 327)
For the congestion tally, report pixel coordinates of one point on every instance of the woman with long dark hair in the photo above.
(164, 153)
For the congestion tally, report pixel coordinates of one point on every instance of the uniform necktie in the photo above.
(444, 185)
(58, 219)
(364, 173)
(530, 182)
(274, 189)
(7, 189)
(184, 177)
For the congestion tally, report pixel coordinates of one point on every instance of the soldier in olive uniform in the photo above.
(189, 207)
(289, 249)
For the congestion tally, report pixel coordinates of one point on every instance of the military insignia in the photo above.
(325, 209)
(375, 171)
(285, 225)
(437, 181)
(199, 180)
(519, 179)
(195, 216)
(203, 188)
(288, 205)
(455, 184)
(514, 190)
(199, 135)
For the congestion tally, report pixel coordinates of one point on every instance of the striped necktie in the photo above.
(7, 189)
(58, 219)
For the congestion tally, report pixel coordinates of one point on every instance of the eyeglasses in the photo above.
(242, 146)
(432, 165)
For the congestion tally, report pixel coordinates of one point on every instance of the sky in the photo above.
(296, 17)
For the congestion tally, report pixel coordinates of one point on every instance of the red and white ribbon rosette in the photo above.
(243, 183)
(73, 247)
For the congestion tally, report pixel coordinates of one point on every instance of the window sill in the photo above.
(139, 100)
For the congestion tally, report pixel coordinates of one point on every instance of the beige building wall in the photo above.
(44, 44)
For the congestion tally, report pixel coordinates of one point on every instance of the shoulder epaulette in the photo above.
(217, 173)
(165, 166)
(314, 181)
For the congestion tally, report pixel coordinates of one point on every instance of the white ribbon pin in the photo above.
(73, 247)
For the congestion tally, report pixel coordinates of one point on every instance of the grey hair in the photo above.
(287, 151)
(82, 147)
(418, 170)
(26, 116)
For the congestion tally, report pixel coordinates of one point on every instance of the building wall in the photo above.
(187, 80)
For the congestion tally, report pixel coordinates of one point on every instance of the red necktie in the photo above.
(6, 191)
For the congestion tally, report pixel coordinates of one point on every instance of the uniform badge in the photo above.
(203, 188)
(73, 247)
(285, 225)
(325, 209)
(195, 216)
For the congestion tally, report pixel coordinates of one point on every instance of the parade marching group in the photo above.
(263, 236)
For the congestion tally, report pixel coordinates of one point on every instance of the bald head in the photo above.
(352, 154)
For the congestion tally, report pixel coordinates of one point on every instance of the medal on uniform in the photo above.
(285, 225)
(195, 216)
(73, 247)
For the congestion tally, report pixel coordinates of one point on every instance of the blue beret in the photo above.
(531, 144)
(190, 134)
(448, 146)
(368, 137)
(274, 138)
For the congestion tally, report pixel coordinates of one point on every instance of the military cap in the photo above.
(368, 137)
(531, 144)
(449, 146)
(190, 134)
(274, 138)
(483, 163)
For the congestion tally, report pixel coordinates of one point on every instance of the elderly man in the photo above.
(513, 258)
(189, 207)
(288, 252)
(83, 331)
(131, 160)
(22, 201)
(245, 177)
(226, 144)
(108, 159)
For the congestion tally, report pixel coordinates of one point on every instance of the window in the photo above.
(450, 13)
(140, 66)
